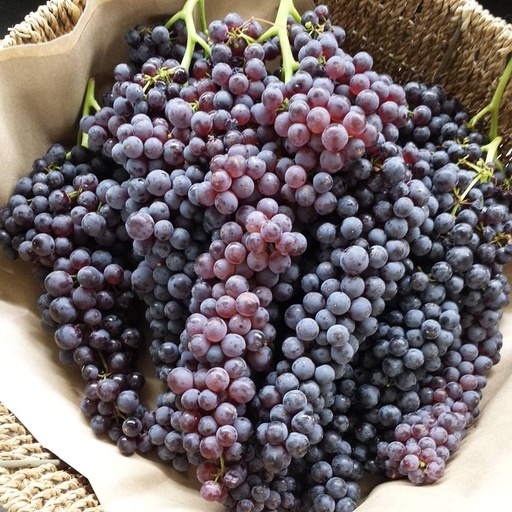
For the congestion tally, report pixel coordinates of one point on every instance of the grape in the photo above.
(140, 226)
(354, 260)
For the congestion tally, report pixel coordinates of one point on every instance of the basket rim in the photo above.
(50, 21)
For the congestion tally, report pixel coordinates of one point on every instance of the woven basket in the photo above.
(55, 18)
(32, 479)
(452, 42)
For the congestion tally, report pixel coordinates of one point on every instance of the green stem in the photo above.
(245, 37)
(484, 171)
(202, 17)
(89, 104)
(187, 15)
(492, 150)
(474, 181)
(103, 362)
(480, 115)
(90, 101)
(280, 29)
(494, 106)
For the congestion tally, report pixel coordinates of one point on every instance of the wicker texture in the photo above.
(55, 18)
(30, 479)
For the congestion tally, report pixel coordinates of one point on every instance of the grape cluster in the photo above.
(316, 252)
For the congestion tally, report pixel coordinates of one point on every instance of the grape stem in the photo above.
(187, 15)
(222, 469)
(492, 149)
(262, 20)
(280, 29)
(493, 107)
(104, 363)
(474, 181)
(163, 73)
(89, 104)
(484, 169)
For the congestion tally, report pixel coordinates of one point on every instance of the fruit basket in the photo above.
(52, 55)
